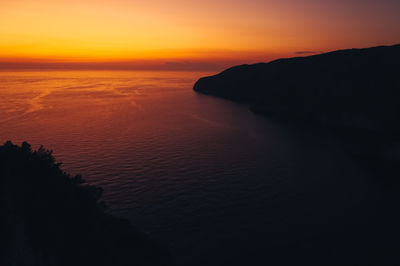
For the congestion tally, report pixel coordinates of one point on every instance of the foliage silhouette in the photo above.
(51, 218)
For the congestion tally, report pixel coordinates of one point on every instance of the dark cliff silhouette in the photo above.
(51, 218)
(356, 91)
(355, 88)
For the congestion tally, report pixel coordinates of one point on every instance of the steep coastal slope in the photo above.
(356, 88)
(51, 218)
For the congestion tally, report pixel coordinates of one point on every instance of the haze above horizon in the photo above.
(178, 34)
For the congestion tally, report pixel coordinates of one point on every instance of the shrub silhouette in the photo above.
(51, 218)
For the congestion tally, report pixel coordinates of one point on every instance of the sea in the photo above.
(213, 182)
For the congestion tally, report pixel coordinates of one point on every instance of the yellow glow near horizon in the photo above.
(71, 30)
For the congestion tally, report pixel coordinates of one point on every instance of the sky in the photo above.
(187, 33)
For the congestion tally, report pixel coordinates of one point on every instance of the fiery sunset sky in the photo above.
(184, 32)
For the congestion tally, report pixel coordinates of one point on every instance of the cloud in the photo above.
(307, 52)
(127, 65)
(186, 65)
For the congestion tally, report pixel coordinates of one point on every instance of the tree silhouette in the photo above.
(51, 218)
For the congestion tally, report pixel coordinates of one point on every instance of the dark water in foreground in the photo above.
(216, 183)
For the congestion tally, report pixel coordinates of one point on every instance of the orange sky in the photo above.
(184, 32)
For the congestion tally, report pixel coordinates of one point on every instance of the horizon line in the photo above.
(160, 64)
(165, 65)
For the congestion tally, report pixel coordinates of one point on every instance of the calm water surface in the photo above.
(216, 183)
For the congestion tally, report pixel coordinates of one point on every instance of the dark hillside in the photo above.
(50, 218)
